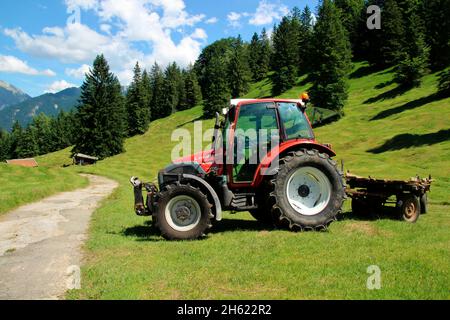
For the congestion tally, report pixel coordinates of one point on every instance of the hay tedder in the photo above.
(265, 160)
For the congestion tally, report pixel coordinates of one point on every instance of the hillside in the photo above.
(50, 104)
(385, 133)
(10, 95)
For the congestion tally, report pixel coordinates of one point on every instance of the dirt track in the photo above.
(40, 243)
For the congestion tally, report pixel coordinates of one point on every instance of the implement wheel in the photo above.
(410, 208)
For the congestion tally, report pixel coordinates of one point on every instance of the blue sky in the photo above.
(46, 46)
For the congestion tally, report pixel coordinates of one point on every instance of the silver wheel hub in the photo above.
(183, 213)
(308, 191)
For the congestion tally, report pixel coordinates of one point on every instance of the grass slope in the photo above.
(24, 185)
(384, 134)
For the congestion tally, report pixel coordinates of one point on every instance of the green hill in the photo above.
(385, 133)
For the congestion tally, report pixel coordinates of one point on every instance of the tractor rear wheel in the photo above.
(308, 191)
(183, 213)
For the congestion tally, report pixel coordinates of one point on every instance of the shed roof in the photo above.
(29, 163)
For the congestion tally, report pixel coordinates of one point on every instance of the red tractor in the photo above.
(284, 178)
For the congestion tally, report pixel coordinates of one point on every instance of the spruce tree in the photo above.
(137, 109)
(5, 145)
(435, 14)
(351, 19)
(16, 135)
(414, 54)
(101, 113)
(42, 128)
(332, 60)
(147, 93)
(239, 76)
(264, 55)
(27, 146)
(285, 56)
(192, 88)
(157, 84)
(305, 41)
(254, 51)
(444, 83)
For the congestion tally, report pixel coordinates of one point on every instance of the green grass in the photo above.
(21, 185)
(125, 259)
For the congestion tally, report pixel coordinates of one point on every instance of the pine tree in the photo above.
(147, 93)
(264, 56)
(414, 54)
(172, 78)
(305, 41)
(193, 94)
(138, 111)
(254, 51)
(435, 14)
(444, 83)
(211, 68)
(157, 84)
(5, 145)
(27, 146)
(101, 113)
(16, 135)
(42, 129)
(332, 60)
(351, 19)
(239, 75)
(285, 56)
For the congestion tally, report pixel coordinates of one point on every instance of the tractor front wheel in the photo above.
(308, 191)
(184, 213)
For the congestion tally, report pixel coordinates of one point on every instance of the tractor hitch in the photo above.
(152, 191)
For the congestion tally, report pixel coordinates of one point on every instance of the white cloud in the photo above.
(150, 21)
(267, 12)
(58, 86)
(78, 73)
(212, 20)
(12, 64)
(234, 19)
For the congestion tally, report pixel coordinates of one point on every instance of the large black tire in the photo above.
(284, 213)
(424, 204)
(189, 204)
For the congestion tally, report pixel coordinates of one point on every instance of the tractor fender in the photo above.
(267, 168)
(212, 193)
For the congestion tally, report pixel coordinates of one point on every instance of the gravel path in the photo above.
(40, 243)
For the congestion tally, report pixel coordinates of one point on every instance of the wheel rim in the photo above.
(308, 191)
(410, 209)
(183, 213)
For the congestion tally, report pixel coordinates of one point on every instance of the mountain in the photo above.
(10, 95)
(50, 104)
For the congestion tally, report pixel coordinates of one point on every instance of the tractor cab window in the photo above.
(295, 124)
(255, 130)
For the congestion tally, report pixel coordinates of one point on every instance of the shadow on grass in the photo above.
(386, 213)
(190, 121)
(391, 94)
(147, 232)
(363, 71)
(407, 140)
(408, 106)
(384, 84)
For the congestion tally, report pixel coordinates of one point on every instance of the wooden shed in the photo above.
(84, 160)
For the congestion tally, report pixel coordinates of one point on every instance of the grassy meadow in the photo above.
(385, 133)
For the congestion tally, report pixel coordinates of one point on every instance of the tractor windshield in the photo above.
(296, 126)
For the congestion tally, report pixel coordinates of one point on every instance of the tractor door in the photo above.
(256, 128)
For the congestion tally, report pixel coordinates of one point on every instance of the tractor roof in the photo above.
(235, 102)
